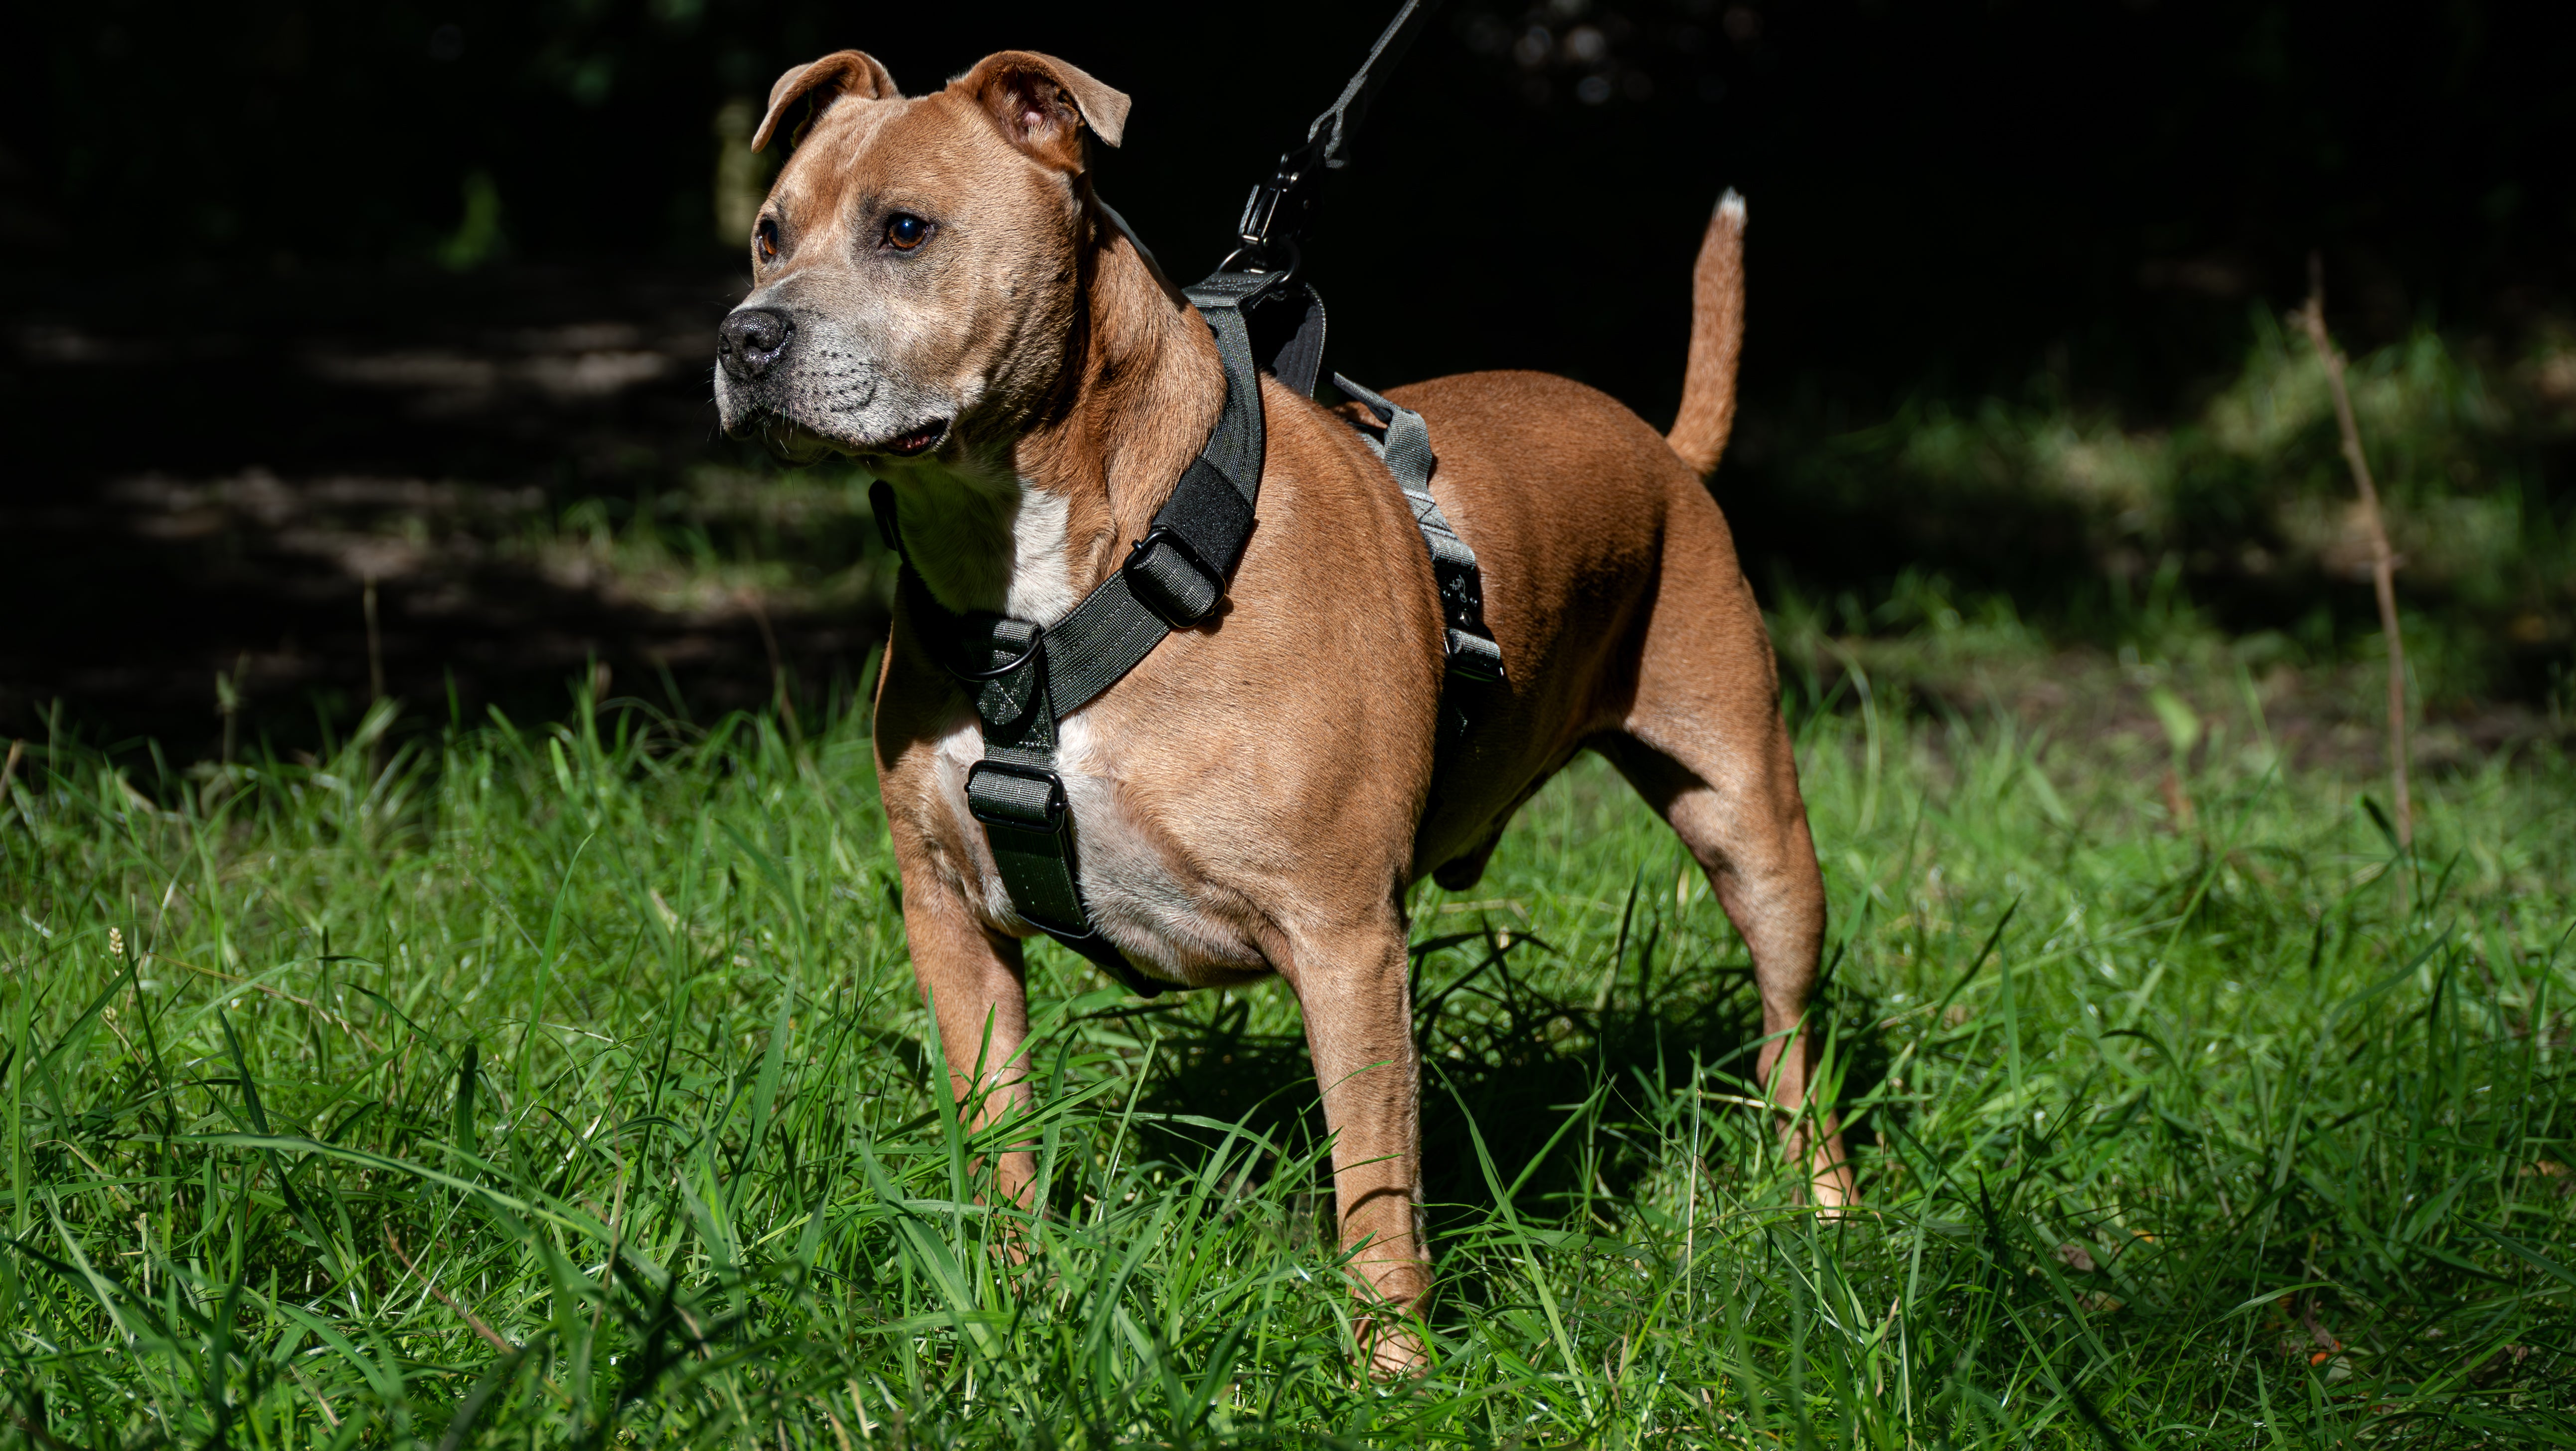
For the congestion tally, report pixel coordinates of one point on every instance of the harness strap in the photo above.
(1405, 444)
(1024, 678)
(1475, 662)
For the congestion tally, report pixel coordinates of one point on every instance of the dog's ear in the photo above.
(846, 72)
(1043, 104)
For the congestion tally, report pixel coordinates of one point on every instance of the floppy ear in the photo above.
(1042, 104)
(847, 72)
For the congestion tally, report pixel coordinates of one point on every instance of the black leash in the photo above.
(1280, 210)
(1288, 337)
(1025, 679)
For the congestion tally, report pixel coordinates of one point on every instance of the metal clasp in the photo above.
(1275, 215)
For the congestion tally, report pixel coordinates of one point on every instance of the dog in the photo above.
(938, 294)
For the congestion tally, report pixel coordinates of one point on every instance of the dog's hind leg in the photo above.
(1704, 743)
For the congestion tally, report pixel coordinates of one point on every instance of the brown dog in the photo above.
(939, 294)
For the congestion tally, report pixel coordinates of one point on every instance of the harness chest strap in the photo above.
(1025, 678)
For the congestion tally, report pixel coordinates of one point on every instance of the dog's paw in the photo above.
(1833, 1191)
(1388, 1348)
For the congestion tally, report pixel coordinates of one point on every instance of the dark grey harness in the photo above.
(1024, 679)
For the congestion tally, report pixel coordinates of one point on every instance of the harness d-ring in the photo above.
(1037, 639)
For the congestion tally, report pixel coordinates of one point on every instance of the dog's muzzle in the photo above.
(804, 389)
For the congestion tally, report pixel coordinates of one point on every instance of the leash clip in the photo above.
(1280, 210)
(1276, 215)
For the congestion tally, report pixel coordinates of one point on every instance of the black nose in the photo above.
(751, 339)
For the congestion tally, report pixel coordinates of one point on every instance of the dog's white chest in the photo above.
(986, 539)
(1136, 895)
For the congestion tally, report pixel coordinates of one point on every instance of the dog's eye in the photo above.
(906, 231)
(765, 238)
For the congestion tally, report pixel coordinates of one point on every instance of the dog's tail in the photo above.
(1716, 343)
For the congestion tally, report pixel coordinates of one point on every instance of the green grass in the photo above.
(567, 1085)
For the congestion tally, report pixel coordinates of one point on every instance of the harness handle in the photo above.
(1277, 214)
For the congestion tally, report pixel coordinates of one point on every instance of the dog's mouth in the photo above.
(914, 444)
(796, 443)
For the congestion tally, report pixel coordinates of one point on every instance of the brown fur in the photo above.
(1250, 799)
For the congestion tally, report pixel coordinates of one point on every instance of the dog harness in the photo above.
(1024, 678)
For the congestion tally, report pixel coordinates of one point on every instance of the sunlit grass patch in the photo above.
(788, 540)
(566, 1083)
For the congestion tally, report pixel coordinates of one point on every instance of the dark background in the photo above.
(1948, 201)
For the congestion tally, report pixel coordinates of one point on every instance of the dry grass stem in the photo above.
(375, 648)
(490, 1336)
(2383, 563)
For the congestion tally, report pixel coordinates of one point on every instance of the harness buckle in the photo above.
(1474, 657)
(1023, 798)
(1167, 577)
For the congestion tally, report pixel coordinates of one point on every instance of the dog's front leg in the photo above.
(977, 985)
(1359, 1032)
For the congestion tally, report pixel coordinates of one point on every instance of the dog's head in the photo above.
(915, 270)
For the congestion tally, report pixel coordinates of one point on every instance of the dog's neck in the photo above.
(1028, 526)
